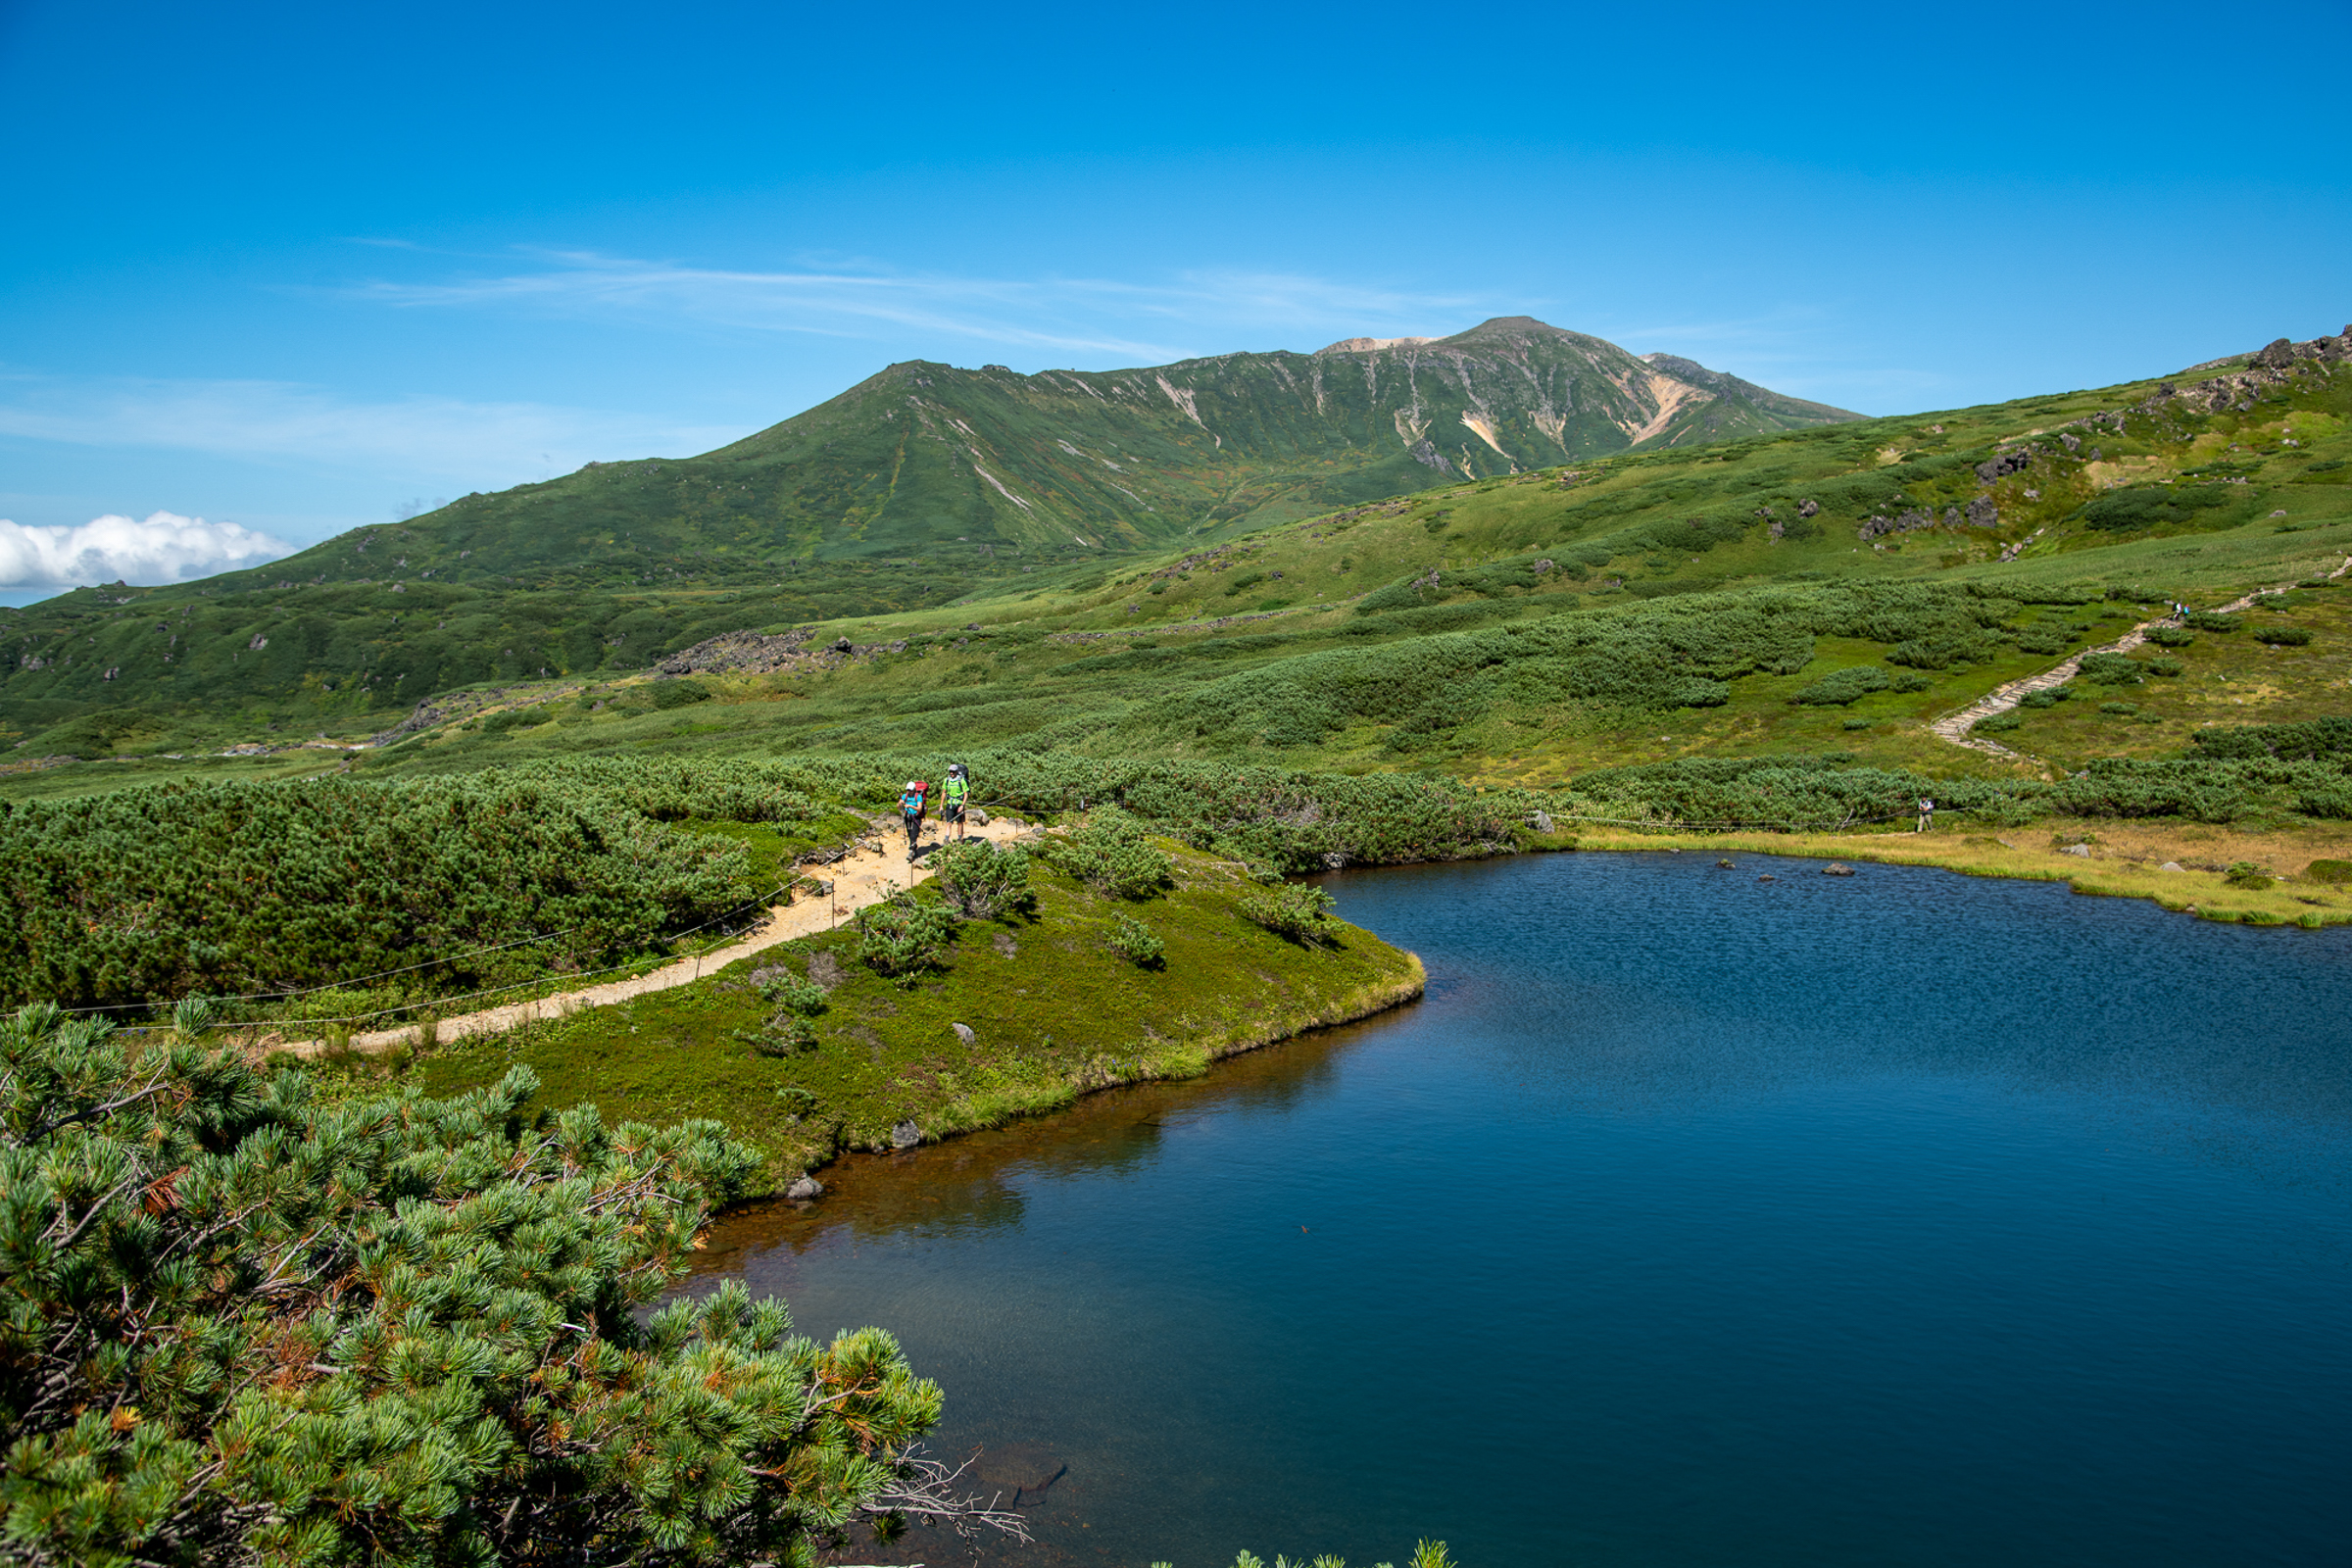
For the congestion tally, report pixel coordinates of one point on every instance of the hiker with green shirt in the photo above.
(952, 799)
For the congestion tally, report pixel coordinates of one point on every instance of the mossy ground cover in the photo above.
(1053, 1010)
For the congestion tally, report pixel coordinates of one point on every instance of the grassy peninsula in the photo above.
(1052, 1008)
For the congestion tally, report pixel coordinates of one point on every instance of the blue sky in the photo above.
(291, 270)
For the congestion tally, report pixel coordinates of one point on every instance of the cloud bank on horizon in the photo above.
(165, 548)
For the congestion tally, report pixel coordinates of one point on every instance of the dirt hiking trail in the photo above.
(1954, 727)
(874, 868)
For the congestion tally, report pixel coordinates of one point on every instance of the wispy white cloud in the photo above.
(165, 548)
(1091, 318)
(475, 444)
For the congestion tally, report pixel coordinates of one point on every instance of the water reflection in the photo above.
(975, 1183)
(1715, 1219)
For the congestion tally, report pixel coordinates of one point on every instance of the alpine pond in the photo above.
(1699, 1214)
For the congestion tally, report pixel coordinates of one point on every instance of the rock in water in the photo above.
(805, 1187)
(1837, 869)
(905, 1135)
(1023, 1469)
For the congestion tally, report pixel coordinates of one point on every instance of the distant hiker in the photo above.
(911, 808)
(1927, 814)
(952, 799)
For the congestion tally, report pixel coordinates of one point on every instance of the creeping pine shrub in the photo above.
(1109, 854)
(2246, 874)
(804, 998)
(2172, 637)
(1842, 686)
(1995, 723)
(2282, 636)
(2119, 707)
(2311, 739)
(2145, 506)
(2336, 874)
(679, 693)
(2213, 620)
(784, 1034)
(2046, 699)
(1134, 942)
(983, 881)
(210, 1354)
(1298, 911)
(903, 936)
(2111, 669)
(2165, 666)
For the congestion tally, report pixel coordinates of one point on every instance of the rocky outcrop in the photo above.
(750, 653)
(2003, 464)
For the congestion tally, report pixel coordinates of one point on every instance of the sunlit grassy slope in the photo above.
(913, 489)
(1629, 607)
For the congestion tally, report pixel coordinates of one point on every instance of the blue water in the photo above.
(1691, 1219)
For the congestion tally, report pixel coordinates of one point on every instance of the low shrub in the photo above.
(2311, 739)
(2145, 506)
(465, 1362)
(2213, 620)
(1110, 855)
(2172, 637)
(2282, 636)
(1911, 683)
(904, 937)
(2246, 874)
(2049, 698)
(1134, 942)
(1842, 686)
(804, 998)
(983, 881)
(2336, 874)
(1995, 723)
(1298, 911)
(2119, 707)
(2167, 668)
(2111, 669)
(784, 1034)
(679, 693)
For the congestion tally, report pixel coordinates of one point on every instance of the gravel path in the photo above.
(1954, 727)
(875, 868)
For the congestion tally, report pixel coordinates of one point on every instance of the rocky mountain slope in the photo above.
(913, 489)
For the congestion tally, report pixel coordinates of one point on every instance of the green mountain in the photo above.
(912, 489)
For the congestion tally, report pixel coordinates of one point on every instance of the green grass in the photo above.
(886, 499)
(1054, 1012)
(1160, 652)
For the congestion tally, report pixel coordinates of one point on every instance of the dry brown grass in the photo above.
(2125, 860)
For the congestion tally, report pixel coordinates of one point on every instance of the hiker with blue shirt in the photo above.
(911, 808)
